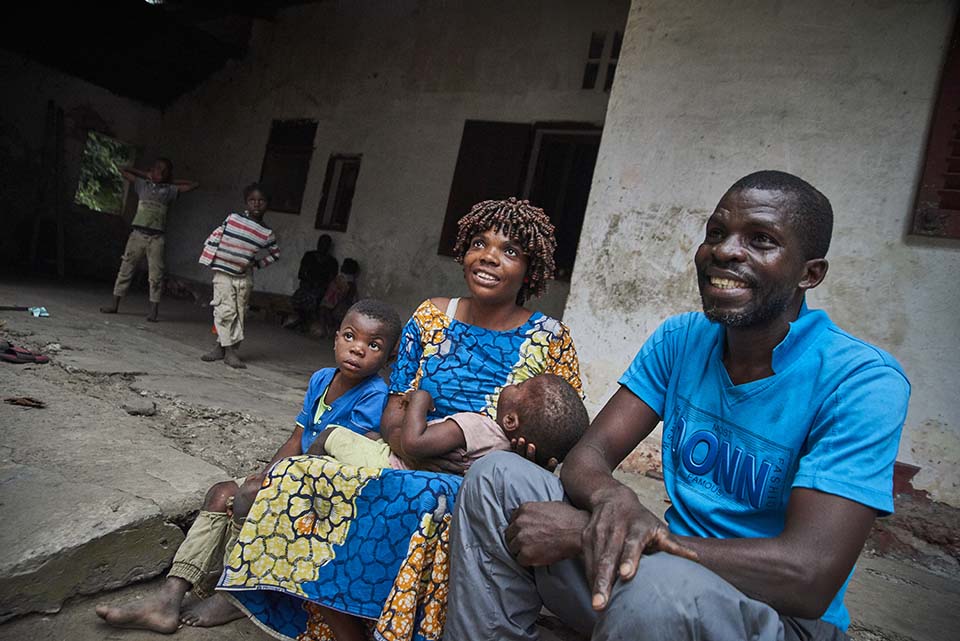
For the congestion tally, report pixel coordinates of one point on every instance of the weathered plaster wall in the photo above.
(839, 93)
(94, 241)
(394, 81)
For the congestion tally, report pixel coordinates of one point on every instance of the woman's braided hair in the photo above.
(528, 225)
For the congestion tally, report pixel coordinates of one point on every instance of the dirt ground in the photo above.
(117, 384)
(210, 433)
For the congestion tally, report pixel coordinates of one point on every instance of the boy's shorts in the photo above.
(355, 449)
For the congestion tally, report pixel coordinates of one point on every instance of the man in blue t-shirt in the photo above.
(780, 432)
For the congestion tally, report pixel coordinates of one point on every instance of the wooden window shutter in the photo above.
(937, 210)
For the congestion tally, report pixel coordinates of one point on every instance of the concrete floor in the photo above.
(95, 496)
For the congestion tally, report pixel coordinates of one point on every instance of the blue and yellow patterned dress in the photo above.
(464, 367)
(373, 542)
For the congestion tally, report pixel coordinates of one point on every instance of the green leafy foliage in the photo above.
(101, 185)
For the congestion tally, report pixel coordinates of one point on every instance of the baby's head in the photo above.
(544, 410)
(367, 338)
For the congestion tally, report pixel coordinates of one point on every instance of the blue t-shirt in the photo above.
(358, 409)
(828, 419)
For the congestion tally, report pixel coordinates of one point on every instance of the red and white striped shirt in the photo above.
(233, 247)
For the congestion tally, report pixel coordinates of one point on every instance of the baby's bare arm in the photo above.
(418, 440)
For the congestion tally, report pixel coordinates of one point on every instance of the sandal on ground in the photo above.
(19, 355)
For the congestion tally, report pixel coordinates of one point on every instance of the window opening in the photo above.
(101, 187)
(339, 184)
(549, 164)
(937, 209)
(286, 163)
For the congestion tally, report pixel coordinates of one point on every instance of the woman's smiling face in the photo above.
(494, 266)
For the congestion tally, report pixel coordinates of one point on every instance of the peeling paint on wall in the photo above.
(935, 447)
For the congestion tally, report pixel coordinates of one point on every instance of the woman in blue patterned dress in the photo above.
(326, 543)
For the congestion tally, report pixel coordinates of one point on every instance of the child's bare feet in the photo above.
(111, 309)
(208, 613)
(159, 613)
(215, 354)
(231, 358)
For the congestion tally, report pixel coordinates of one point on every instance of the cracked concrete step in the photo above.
(55, 549)
(89, 495)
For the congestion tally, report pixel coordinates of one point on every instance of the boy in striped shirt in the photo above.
(231, 252)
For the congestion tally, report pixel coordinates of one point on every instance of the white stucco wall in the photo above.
(838, 93)
(394, 81)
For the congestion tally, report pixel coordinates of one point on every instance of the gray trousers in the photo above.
(139, 245)
(494, 598)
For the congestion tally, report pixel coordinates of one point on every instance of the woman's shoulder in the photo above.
(433, 308)
(440, 302)
(554, 326)
(429, 315)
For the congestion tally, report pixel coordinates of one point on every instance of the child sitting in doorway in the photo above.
(352, 396)
(231, 251)
(340, 295)
(544, 409)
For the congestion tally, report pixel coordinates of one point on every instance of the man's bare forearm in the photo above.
(799, 571)
(586, 475)
(765, 570)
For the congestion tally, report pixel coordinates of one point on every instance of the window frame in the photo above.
(275, 149)
(940, 175)
(327, 207)
(526, 164)
(126, 187)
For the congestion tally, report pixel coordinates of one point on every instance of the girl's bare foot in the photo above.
(211, 612)
(111, 309)
(231, 358)
(159, 612)
(216, 354)
(155, 613)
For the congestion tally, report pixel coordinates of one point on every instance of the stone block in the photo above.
(61, 538)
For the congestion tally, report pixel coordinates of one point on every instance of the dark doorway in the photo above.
(549, 164)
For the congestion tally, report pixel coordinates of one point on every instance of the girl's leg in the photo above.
(154, 253)
(217, 609)
(160, 612)
(132, 253)
(241, 296)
